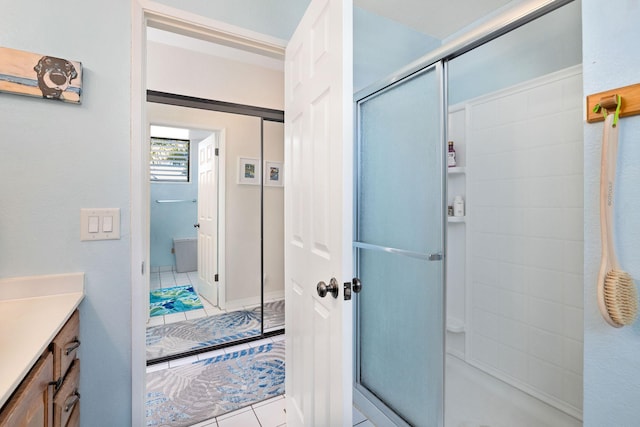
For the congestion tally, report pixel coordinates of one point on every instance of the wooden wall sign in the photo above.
(48, 77)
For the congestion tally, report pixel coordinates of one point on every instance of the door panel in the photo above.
(208, 220)
(318, 215)
(400, 242)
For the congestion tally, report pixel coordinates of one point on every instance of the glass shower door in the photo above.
(399, 247)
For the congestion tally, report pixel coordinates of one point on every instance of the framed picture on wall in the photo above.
(273, 174)
(248, 171)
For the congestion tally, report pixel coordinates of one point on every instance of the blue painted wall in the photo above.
(611, 356)
(525, 53)
(58, 158)
(381, 47)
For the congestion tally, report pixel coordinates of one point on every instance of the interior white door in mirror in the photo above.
(318, 215)
(207, 220)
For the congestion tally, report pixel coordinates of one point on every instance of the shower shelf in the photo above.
(455, 219)
(454, 325)
(456, 170)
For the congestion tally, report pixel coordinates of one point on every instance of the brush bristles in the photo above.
(621, 297)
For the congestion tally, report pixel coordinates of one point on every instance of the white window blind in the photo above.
(169, 160)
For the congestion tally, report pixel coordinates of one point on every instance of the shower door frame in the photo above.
(375, 407)
(491, 29)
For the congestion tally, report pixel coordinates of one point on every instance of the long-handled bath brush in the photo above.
(617, 294)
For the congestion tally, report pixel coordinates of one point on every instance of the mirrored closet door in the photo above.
(216, 225)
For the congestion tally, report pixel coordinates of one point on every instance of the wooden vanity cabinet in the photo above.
(32, 403)
(48, 396)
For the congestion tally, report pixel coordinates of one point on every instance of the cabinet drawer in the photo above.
(67, 398)
(65, 346)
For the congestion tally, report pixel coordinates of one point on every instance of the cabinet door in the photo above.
(31, 405)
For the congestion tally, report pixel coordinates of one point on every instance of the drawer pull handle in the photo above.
(71, 346)
(71, 401)
(56, 384)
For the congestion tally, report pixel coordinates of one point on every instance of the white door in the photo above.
(318, 215)
(207, 220)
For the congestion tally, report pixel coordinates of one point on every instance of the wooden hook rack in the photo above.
(630, 99)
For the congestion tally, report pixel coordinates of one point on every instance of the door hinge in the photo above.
(215, 277)
(217, 152)
(142, 268)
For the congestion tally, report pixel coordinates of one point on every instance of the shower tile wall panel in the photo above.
(525, 204)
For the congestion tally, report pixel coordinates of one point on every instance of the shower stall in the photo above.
(474, 320)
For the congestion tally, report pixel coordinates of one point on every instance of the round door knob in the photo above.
(356, 285)
(323, 289)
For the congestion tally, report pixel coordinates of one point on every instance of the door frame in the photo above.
(219, 138)
(148, 13)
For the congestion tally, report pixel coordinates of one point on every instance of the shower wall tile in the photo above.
(513, 362)
(544, 284)
(572, 389)
(572, 353)
(516, 334)
(525, 234)
(573, 323)
(546, 377)
(546, 346)
(573, 289)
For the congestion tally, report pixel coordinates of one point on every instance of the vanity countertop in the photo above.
(32, 312)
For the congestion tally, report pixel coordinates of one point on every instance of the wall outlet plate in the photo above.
(99, 224)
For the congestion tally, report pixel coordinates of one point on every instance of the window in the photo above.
(169, 160)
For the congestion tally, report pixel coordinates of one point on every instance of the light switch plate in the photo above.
(87, 227)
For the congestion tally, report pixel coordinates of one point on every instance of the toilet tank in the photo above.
(186, 252)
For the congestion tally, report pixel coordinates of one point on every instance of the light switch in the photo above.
(94, 224)
(100, 224)
(107, 224)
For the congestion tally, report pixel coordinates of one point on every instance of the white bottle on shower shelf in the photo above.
(458, 206)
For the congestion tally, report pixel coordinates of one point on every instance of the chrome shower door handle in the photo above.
(435, 257)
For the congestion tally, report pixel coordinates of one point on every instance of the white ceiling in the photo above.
(437, 18)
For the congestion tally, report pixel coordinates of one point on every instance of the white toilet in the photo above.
(186, 252)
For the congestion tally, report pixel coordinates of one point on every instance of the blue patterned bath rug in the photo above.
(186, 335)
(173, 300)
(188, 394)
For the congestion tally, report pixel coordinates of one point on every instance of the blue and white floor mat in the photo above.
(188, 394)
(180, 337)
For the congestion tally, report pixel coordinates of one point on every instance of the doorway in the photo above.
(239, 275)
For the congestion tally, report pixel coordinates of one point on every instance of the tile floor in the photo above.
(269, 413)
(165, 277)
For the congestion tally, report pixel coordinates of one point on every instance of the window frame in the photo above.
(164, 178)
